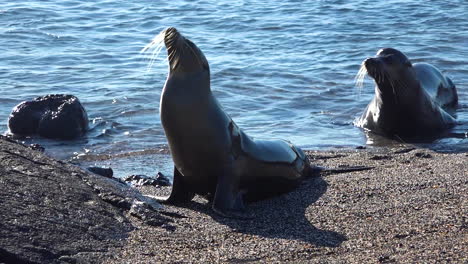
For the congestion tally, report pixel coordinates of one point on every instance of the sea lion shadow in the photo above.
(284, 217)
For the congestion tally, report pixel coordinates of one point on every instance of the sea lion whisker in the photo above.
(156, 45)
(360, 76)
(154, 56)
(156, 41)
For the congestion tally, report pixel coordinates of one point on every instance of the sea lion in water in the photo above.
(411, 100)
(212, 156)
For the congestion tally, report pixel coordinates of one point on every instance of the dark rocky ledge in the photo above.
(54, 212)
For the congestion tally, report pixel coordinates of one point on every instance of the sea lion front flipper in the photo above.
(179, 193)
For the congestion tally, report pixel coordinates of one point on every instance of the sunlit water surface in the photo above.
(284, 69)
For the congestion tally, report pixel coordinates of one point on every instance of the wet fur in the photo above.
(410, 100)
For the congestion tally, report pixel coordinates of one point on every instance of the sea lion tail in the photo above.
(314, 171)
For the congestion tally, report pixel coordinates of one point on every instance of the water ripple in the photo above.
(282, 69)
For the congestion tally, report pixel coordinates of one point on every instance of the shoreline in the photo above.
(411, 207)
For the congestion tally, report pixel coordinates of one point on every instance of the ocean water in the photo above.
(281, 70)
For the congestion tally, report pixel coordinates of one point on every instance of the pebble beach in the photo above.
(408, 206)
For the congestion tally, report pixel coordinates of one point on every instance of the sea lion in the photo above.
(212, 156)
(411, 100)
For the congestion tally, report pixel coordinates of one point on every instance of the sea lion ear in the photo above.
(408, 63)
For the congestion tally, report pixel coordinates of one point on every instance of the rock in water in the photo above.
(162, 180)
(142, 180)
(56, 116)
(106, 172)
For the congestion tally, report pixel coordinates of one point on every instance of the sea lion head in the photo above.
(387, 63)
(183, 55)
(392, 72)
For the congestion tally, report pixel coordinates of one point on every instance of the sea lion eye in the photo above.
(388, 59)
(407, 63)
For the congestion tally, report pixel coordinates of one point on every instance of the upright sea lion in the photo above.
(212, 156)
(410, 101)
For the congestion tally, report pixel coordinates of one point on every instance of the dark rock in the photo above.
(142, 180)
(55, 116)
(68, 259)
(383, 259)
(106, 172)
(423, 155)
(404, 150)
(9, 138)
(344, 169)
(54, 212)
(50, 210)
(162, 180)
(37, 147)
(172, 214)
(8, 257)
(115, 199)
(400, 236)
(380, 157)
(149, 215)
(139, 180)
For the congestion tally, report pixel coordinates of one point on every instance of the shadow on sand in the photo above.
(282, 217)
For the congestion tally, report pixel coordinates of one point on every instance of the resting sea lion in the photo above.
(411, 100)
(212, 156)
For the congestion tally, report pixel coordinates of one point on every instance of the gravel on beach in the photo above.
(409, 206)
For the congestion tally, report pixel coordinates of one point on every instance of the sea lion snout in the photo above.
(370, 63)
(170, 36)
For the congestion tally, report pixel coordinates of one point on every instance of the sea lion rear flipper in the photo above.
(179, 192)
(224, 197)
(228, 200)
